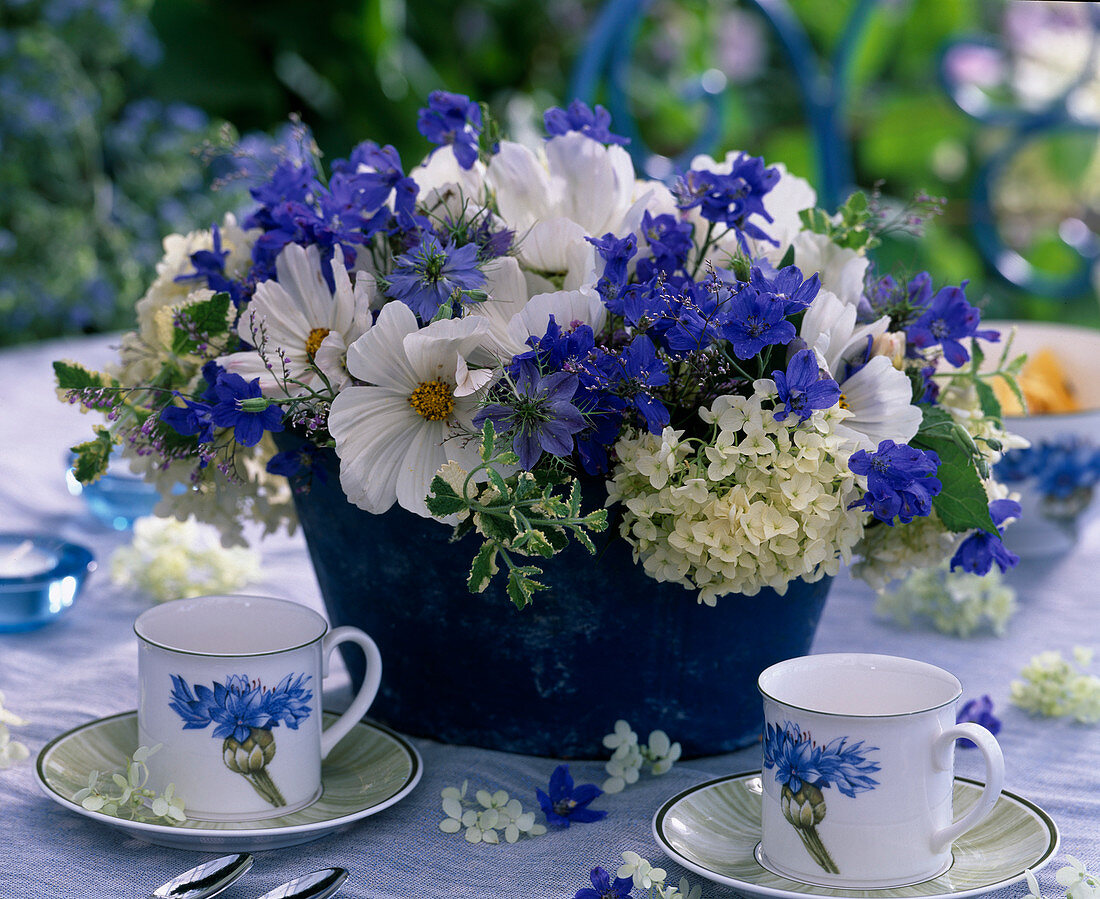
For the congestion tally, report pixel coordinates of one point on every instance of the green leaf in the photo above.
(498, 481)
(483, 568)
(856, 204)
(93, 456)
(584, 540)
(554, 536)
(521, 588)
(962, 505)
(499, 529)
(199, 322)
(72, 376)
(991, 406)
(487, 441)
(443, 500)
(788, 257)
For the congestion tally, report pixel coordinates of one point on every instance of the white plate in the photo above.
(369, 770)
(713, 829)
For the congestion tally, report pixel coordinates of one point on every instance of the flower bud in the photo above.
(890, 344)
(252, 755)
(254, 404)
(805, 808)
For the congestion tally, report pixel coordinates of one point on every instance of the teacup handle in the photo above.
(335, 732)
(994, 777)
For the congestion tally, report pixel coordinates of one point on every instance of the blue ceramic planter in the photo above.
(604, 642)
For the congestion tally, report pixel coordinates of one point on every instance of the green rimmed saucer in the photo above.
(368, 771)
(713, 829)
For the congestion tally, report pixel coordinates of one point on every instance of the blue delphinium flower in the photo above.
(786, 287)
(299, 465)
(603, 887)
(565, 804)
(642, 370)
(730, 199)
(669, 240)
(209, 267)
(428, 275)
(755, 322)
(802, 388)
(948, 319)
(593, 123)
(900, 481)
(452, 119)
(981, 550)
(234, 410)
(538, 414)
(979, 711)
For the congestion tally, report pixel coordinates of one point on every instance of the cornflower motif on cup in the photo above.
(565, 803)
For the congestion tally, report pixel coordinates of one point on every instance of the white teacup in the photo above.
(858, 770)
(231, 688)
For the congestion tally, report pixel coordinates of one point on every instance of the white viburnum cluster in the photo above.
(11, 751)
(628, 756)
(958, 603)
(1054, 687)
(170, 559)
(761, 503)
(488, 817)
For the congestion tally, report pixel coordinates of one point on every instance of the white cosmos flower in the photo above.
(393, 435)
(878, 395)
(842, 270)
(298, 320)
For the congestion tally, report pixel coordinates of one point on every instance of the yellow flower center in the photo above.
(433, 400)
(313, 342)
(844, 402)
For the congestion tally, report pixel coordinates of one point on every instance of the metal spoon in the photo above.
(316, 885)
(205, 880)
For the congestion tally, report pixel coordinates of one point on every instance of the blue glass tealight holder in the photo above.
(40, 578)
(117, 497)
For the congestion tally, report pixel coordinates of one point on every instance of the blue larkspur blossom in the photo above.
(578, 116)
(233, 409)
(786, 287)
(802, 388)
(538, 413)
(669, 240)
(755, 322)
(301, 463)
(455, 120)
(730, 198)
(979, 711)
(979, 552)
(642, 370)
(603, 887)
(947, 320)
(565, 804)
(209, 267)
(900, 481)
(430, 274)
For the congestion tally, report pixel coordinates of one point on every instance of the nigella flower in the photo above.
(593, 123)
(429, 275)
(242, 407)
(565, 803)
(754, 323)
(979, 711)
(900, 481)
(603, 887)
(452, 119)
(981, 550)
(538, 413)
(948, 319)
(802, 388)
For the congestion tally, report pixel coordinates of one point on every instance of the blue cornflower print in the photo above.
(565, 804)
(234, 410)
(593, 123)
(429, 275)
(802, 388)
(901, 481)
(243, 713)
(949, 319)
(754, 323)
(979, 552)
(452, 119)
(603, 887)
(804, 769)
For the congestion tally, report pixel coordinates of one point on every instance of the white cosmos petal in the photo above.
(546, 245)
(507, 289)
(279, 318)
(880, 400)
(468, 381)
(596, 182)
(829, 326)
(250, 366)
(378, 357)
(841, 270)
(522, 185)
(432, 351)
(299, 271)
(566, 306)
(424, 456)
(372, 427)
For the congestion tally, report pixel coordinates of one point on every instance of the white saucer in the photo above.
(369, 770)
(713, 828)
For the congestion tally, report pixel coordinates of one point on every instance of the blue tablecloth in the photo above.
(84, 667)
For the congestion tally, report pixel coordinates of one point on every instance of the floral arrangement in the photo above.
(477, 335)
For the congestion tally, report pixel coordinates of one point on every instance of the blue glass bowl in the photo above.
(116, 497)
(40, 578)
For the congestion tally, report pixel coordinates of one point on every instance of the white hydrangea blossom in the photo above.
(763, 502)
(952, 602)
(171, 559)
(11, 751)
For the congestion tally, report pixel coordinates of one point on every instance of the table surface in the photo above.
(83, 667)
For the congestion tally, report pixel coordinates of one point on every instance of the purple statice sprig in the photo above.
(978, 711)
(566, 803)
(901, 481)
